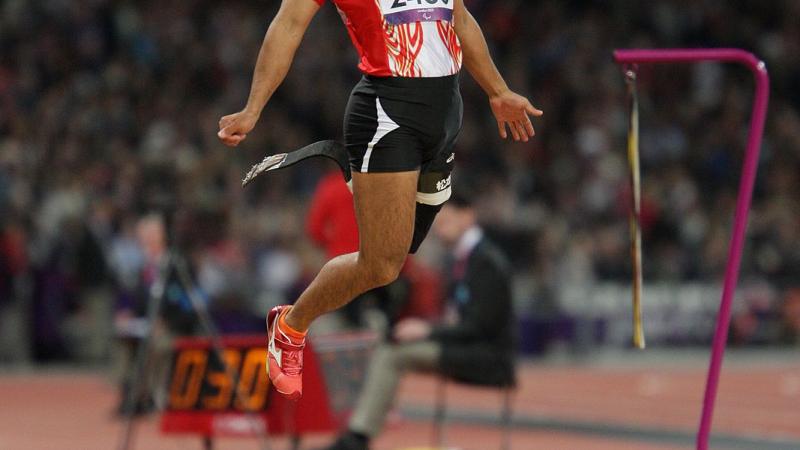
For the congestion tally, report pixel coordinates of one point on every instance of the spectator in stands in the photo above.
(331, 220)
(473, 345)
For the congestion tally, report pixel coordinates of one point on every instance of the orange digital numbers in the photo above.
(253, 383)
(187, 378)
(197, 384)
(222, 381)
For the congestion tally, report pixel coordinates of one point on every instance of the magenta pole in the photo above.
(759, 69)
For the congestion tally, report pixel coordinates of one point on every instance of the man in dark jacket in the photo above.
(473, 345)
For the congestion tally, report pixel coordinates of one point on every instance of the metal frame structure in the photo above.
(631, 57)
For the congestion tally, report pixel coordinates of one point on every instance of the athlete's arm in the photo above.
(510, 109)
(274, 59)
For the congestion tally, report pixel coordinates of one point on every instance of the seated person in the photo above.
(475, 347)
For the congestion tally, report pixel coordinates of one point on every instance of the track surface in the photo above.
(567, 407)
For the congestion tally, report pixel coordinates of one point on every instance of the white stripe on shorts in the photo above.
(385, 126)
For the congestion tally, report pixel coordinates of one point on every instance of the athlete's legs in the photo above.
(384, 204)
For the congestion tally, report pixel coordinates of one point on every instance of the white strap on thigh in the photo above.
(434, 198)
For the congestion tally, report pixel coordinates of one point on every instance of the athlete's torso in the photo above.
(402, 38)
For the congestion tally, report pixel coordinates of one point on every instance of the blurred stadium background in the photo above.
(108, 113)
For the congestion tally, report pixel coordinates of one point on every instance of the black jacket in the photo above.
(479, 349)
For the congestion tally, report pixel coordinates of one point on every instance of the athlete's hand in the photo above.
(513, 111)
(233, 128)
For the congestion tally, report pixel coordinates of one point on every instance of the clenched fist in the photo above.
(233, 128)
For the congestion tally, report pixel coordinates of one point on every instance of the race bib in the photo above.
(398, 12)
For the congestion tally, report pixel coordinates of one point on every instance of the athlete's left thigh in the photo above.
(385, 205)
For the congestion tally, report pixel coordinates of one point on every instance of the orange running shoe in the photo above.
(284, 356)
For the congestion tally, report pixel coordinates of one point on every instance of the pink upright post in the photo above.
(759, 69)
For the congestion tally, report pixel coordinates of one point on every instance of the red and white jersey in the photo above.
(402, 38)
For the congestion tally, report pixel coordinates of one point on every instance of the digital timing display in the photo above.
(200, 382)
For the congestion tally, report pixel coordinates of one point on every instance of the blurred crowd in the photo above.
(109, 110)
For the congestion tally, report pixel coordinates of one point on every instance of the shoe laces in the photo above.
(292, 362)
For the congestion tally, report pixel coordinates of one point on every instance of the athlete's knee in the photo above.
(383, 270)
(386, 271)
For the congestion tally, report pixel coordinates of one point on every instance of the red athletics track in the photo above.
(753, 400)
(73, 411)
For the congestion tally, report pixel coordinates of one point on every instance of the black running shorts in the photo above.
(396, 124)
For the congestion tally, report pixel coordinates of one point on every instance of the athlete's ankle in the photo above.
(290, 327)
